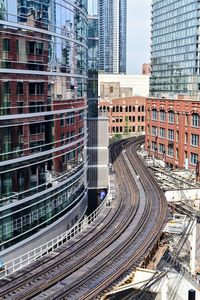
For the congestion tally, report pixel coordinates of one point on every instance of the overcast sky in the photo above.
(138, 34)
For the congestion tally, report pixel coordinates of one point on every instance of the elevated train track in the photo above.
(87, 268)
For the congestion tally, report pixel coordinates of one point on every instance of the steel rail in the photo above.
(25, 281)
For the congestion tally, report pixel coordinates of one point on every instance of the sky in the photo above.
(138, 34)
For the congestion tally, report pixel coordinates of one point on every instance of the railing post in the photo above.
(191, 295)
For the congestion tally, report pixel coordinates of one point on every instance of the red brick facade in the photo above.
(173, 130)
(125, 114)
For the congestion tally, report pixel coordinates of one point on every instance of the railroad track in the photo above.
(120, 246)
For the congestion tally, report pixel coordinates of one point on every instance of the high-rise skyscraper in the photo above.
(43, 90)
(175, 49)
(112, 46)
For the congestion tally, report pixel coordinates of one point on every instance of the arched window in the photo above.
(162, 116)
(171, 116)
(154, 114)
(195, 120)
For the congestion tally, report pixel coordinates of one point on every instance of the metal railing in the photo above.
(26, 259)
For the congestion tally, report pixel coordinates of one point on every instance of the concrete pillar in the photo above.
(193, 247)
(164, 291)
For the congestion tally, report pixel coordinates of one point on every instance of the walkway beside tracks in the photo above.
(92, 263)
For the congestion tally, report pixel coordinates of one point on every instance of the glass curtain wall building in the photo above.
(93, 59)
(175, 52)
(112, 44)
(43, 92)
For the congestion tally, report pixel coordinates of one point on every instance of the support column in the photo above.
(193, 246)
(164, 291)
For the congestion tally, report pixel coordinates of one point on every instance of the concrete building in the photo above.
(118, 85)
(173, 131)
(43, 102)
(126, 115)
(112, 47)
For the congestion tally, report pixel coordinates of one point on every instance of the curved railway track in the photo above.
(108, 254)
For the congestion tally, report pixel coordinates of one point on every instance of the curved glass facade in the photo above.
(43, 89)
(175, 49)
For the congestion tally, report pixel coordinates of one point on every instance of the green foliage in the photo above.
(127, 127)
(116, 137)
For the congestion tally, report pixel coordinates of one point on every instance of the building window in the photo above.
(195, 140)
(6, 88)
(142, 108)
(195, 120)
(171, 116)
(177, 153)
(142, 118)
(186, 120)
(19, 88)
(6, 45)
(186, 137)
(161, 148)
(111, 89)
(154, 130)
(36, 88)
(162, 116)
(62, 121)
(170, 151)
(138, 118)
(170, 134)
(194, 158)
(177, 136)
(6, 64)
(162, 132)
(153, 146)
(154, 114)
(130, 108)
(121, 109)
(148, 129)
(177, 119)
(138, 108)
(34, 48)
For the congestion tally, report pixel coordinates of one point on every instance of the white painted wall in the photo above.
(139, 83)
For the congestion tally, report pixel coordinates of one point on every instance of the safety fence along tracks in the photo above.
(107, 250)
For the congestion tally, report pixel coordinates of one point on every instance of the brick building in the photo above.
(172, 131)
(126, 115)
